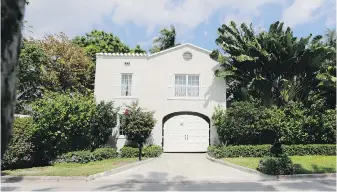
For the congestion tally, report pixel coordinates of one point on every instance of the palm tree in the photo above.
(166, 40)
(272, 65)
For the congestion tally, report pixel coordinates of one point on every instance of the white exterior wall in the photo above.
(153, 84)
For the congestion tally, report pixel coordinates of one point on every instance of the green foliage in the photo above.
(87, 156)
(239, 151)
(274, 65)
(31, 74)
(100, 41)
(166, 40)
(276, 165)
(237, 124)
(137, 123)
(310, 149)
(69, 123)
(129, 152)
(20, 151)
(102, 121)
(148, 151)
(245, 123)
(264, 150)
(153, 151)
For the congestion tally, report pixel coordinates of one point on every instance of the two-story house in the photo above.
(177, 83)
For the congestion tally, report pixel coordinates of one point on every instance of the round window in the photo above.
(187, 56)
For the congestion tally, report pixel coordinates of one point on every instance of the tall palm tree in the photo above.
(166, 40)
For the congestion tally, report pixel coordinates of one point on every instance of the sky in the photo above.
(138, 22)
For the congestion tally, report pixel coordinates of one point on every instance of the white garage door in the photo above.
(186, 133)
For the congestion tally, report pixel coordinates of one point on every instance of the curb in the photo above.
(118, 170)
(307, 176)
(276, 177)
(245, 169)
(13, 179)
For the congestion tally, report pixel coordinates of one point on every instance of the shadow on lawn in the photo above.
(315, 169)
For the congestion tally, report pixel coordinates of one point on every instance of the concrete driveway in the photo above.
(180, 167)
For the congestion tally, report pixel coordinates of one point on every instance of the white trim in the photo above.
(121, 137)
(125, 97)
(187, 98)
(145, 55)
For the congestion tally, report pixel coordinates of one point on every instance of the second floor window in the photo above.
(186, 86)
(126, 84)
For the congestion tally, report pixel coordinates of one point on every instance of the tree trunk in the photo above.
(140, 145)
(12, 12)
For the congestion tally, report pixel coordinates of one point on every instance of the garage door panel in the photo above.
(186, 133)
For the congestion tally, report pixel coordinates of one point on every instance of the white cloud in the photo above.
(78, 16)
(302, 12)
(205, 33)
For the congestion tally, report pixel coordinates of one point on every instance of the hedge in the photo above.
(148, 151)
(264, 150)
(87, 156)
(20, 151)
(247, 123)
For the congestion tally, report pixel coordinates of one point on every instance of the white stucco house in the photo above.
(177, 83)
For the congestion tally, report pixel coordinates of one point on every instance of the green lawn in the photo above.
(303, 164)
(72, 169)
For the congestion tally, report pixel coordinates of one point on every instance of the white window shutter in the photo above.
(116, 84)
(135, 85)
(170, 89)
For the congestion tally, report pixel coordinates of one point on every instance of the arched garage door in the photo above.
(186, 132)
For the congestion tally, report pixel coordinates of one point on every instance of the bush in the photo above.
(86, 156)
(264, 150)
(276, 165)
(20, 151)
(105, 153)
(245, 123)
(236, 125)
(152, 151)
(239, 151)
(148, 151)
(129, 152)
(70, 123)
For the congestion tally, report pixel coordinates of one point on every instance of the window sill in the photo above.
(186, 98)
(121, 137)
(125, 97)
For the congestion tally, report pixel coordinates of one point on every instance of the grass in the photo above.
(303, 164)
(72, 169)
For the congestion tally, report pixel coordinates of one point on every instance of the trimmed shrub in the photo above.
(148, 151)
(310, 149)
(86, 156)
(20, 151)
(129, 152)
(105, 153)
(264, 150)
(153, 151)
(239, 151)
(276, 165)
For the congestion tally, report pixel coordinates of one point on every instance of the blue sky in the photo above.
(196, 21)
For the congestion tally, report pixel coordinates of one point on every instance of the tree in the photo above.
(100, 41)
(137, 125)
(30, 74)
(68, 67)
(264, 65)
(12, 12)
(166, 40)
